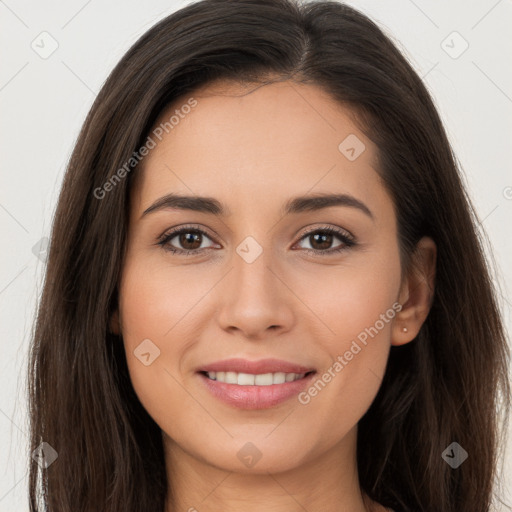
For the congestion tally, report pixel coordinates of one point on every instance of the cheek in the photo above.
(358, 306)
(155, 299)
(153, 310)
(348, 300)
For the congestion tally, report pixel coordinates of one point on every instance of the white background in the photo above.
(44, 102)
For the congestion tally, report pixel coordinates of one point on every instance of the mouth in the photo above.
(261, 385)
(259, 379)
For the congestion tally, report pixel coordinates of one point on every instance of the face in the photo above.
(259, 275)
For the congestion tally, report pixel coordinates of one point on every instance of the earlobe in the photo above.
(416, 293)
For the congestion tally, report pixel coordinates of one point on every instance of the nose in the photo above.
(255, 301)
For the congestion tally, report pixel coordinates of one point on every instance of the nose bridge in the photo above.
(252, 277)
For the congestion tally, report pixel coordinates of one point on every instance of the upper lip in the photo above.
(255, 367)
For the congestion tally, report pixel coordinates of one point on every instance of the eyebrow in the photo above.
(295, 205)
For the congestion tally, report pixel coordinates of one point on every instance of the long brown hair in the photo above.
(448, 385)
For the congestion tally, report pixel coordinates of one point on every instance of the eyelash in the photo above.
(346, 239)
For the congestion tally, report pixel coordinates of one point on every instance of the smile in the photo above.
(255, 391)
(260, 379)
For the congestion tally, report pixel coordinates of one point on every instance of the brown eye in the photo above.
(186, 241)
(321, 240)
(189, 240)
(324, 240)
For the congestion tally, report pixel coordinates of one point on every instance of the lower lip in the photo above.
(255, 397)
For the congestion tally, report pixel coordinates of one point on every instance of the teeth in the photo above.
(231, 378)
(261, 379)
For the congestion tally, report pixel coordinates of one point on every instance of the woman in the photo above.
(265, 288)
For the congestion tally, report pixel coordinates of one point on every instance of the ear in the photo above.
(416, 293)
(114, 324)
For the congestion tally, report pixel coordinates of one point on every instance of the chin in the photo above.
(254, 455)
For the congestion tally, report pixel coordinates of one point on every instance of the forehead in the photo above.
(258, 144)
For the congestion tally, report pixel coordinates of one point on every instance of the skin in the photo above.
(253, 149)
